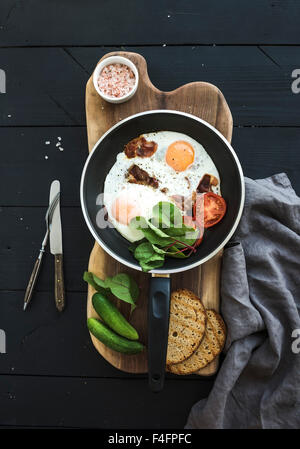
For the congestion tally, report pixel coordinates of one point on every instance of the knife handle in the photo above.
(59, 283)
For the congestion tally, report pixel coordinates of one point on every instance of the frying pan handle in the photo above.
(158, 327)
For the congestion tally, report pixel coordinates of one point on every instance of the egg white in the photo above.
(176, 183)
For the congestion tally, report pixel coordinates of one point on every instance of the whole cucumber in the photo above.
(111, 315)
(112, 340)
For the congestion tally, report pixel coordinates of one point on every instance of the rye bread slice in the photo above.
(186, 327)
(218, 325)
(211, 346)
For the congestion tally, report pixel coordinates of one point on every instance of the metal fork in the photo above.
(37, 265)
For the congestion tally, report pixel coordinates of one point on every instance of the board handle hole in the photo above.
(155, 377)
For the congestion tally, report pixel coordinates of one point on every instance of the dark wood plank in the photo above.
(43, 86)
(46, 86)
(101, 403)
(44, 342)
(118, 22)
(23, 231)
(266, 151)
(257, 89)
(263, 151)
(26, 174)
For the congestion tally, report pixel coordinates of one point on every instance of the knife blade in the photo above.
(56, 249)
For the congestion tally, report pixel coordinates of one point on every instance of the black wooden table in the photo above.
(51, 376)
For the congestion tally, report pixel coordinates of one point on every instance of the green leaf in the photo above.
(158, 250)
(149, 256)
(144, 251)
(95, 282)
(124, 287)
(174, 252)
(166, 215)
(152, 264)
(151, 232)
(162, 230)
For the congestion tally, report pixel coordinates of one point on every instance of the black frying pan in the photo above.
(98, 164)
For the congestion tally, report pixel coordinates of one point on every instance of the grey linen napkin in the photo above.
(258, 385)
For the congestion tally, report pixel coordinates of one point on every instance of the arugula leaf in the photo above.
(122, 286)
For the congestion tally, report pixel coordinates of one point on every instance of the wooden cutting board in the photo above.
(198, 98)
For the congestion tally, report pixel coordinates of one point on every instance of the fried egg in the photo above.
(178, 164)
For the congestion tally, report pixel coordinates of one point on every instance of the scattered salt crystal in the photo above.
(59, 138)
(47, 142)
(61, 149)
(164, 45)
(58, 144)
(46, 157)
(9, 115)
(21, 218)
(169, 16)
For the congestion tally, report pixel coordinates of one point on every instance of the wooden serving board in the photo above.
(198, 98)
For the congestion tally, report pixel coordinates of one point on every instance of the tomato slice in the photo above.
(190, 222)
(209, 209)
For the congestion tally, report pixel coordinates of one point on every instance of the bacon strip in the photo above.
(206, 182)
(140, 147)
(137, 175)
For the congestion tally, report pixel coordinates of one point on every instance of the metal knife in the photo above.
(57, 249)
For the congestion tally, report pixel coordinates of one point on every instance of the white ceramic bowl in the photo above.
(115, 60)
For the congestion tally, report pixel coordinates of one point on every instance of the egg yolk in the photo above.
(180, 155)
(124, 209)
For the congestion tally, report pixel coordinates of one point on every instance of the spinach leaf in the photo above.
(122, 286)
(165, 234)
(144, 251)
(152, 233)
(151, 264)
(95, 282)
(149, 256)
(166, 215)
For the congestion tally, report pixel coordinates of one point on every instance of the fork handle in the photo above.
(33, 278)
(59, 283)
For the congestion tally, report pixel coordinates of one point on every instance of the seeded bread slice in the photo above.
(218, 325)
(211, 346)
(186, 327)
